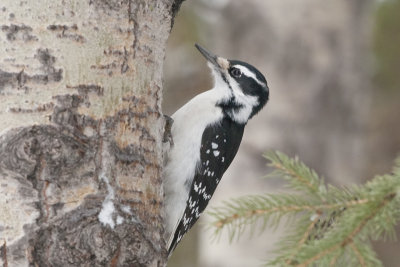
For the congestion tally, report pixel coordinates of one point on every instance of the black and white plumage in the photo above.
(207, 132)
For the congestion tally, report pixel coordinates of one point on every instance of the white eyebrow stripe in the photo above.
(249, 74)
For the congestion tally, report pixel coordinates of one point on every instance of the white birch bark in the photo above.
(81, 131)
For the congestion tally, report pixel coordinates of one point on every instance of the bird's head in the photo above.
(243, 88)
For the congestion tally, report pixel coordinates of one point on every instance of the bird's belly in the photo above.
(189, 124)
(179, 173)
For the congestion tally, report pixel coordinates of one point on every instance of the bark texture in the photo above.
(81, 132)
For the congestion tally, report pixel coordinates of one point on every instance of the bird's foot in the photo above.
(167, 130)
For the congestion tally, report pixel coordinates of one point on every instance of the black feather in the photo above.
(219, 145)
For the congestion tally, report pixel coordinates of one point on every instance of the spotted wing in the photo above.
(219, 145)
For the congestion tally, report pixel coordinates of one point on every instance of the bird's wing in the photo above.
(219, 145)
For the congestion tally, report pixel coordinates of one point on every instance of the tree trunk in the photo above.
(81, 132)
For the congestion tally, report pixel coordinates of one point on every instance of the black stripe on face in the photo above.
(250, 86)
(226, 80)
(252, 69)
(229, 107)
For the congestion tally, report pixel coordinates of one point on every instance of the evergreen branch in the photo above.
(304, 238)
(358, 254)
(366, 252)
(384, 202)
(352, 235)
(386, 186)
(318, 256)
(334, 260)
(343, 220)
(297, 173)
(237, 212)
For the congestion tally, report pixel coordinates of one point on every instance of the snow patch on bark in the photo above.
(108, 208)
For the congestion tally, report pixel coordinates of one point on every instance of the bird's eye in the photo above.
(235, 72)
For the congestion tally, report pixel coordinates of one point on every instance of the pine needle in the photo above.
(328, 226)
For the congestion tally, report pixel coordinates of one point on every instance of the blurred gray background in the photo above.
(333, 70)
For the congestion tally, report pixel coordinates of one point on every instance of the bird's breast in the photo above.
(190, 121)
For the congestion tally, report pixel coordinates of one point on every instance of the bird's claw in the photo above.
(167, 130)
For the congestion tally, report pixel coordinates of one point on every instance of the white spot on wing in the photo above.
(185, 220)
(214, 145)
(206, 196)
(208, 151)
(192, 203)
(196, 210)
(216, 153)
(200, 190)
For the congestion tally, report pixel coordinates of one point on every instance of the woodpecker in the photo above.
(207, 132)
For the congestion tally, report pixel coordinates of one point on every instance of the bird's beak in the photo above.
(215, 60)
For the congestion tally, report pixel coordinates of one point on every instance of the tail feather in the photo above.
(174, 239)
